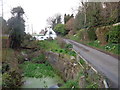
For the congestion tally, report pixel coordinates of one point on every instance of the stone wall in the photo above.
(70, 69)
(66, 65)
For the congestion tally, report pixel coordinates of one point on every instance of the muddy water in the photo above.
(41, 82)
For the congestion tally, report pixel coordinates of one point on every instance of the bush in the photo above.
(11, 79)
(91, 33)
(5, 67)
(114, 35)
(68, 46)
(60, 29)
(82, 61)
(72, 53)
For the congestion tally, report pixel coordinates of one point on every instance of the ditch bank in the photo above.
(37, 72)
(75, 68)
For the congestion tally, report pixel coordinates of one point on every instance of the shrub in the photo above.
(11, 79)
(82, 61)
(60, 29)
(72, 53)
(114, 35)
(68, 46)
(91, 33)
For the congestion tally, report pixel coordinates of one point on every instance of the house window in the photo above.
(50, 32)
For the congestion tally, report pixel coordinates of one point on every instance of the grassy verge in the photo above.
(110, 47)
(49, 45)
(55, 47)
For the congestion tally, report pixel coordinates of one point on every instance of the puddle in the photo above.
(41, 82)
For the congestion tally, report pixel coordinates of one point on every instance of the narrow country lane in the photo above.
(103, 63)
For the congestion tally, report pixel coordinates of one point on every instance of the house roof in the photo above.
(43, 32)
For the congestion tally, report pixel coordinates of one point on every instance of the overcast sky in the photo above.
(37, 11)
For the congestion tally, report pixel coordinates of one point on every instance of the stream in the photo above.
(41, 82)
(33, 70)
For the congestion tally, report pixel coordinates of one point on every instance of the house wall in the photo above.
(47, 35)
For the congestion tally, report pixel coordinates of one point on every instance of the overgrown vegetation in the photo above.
(38, 70)
(11, 79)
(11, 73)
(114, 35)
(60, 29)
(71, 84)
(110, 47)
(40, 59)
(55, 47)
(16, 27)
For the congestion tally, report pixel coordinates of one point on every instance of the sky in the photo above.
(37, 11)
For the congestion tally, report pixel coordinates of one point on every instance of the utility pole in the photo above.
(2, 18)
(1, 28)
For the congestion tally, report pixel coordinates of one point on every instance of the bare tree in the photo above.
(85, 6)
(53, 21)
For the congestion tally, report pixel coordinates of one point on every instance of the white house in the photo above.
(46, 34)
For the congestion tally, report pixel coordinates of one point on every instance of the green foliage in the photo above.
(55, 47)
(72, 53)
(113, 48)
(16, 27)
(82, 61)
(114, 34)
(38, 70)
(95, 43)
(5, 67)
(93, 85)
(79, 21)
(78, 36)
(48, 45)
(60, 29)
(91, 33)
(75, 37)
(11, 80)
(65, 51)
(68, 46)
(82, 33)
(67, 18)
(39, 59)
(92, 14)
(71, 84)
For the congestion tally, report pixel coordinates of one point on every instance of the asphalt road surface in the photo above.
(103, 63)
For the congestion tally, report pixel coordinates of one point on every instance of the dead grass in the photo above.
(10, 57)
